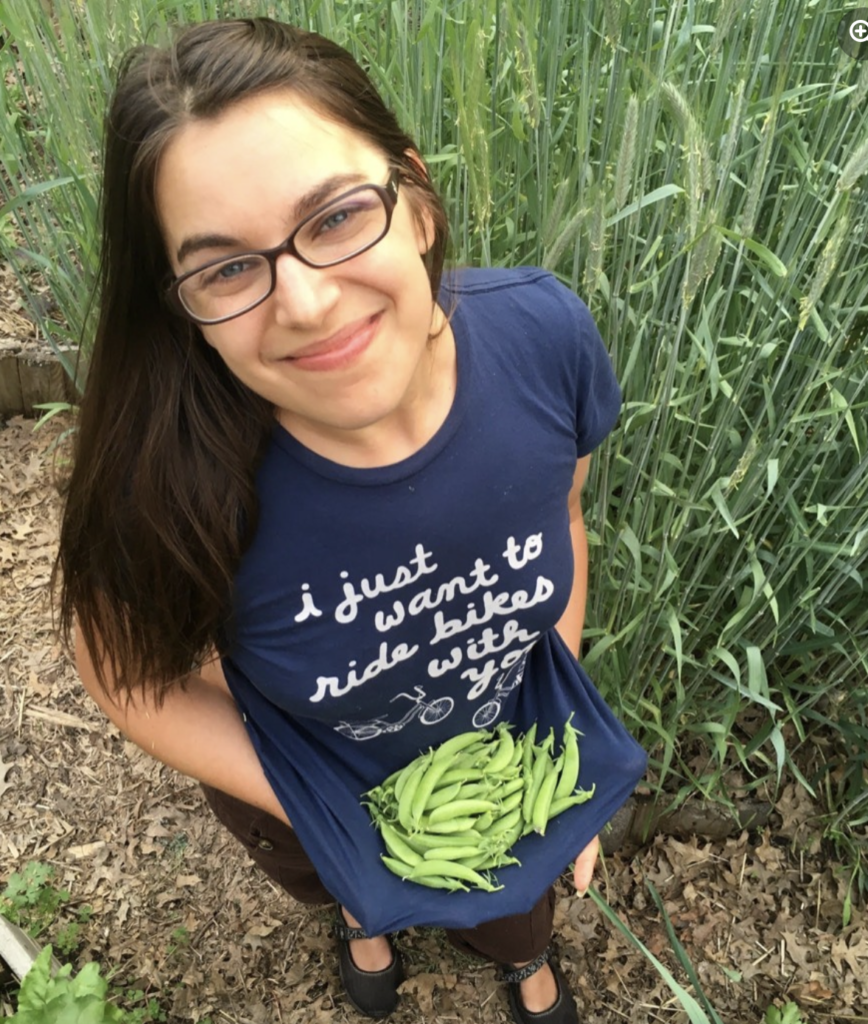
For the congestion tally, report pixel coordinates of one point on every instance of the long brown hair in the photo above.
(161, 498)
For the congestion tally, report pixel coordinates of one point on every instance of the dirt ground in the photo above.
(181, 914)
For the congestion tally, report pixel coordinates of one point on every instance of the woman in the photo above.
(325, 507)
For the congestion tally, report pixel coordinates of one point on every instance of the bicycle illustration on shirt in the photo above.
(428, 713)
(489, 711)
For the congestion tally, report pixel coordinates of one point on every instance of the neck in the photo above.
(400, 434)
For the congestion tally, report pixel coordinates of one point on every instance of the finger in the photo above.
(583, 874)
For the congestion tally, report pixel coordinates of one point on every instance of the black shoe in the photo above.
(564, 1009)
(373, 993)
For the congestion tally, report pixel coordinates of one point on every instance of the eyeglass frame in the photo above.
(389, 195)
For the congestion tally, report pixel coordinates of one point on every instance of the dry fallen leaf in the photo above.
(423, 987)
(85, 850)
(760, 921)
(812, 992)
(4, 769)
(184, 880)
(60, 718)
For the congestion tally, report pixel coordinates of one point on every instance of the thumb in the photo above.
(585, 864)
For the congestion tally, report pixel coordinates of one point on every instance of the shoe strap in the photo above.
(344, 932)
(514, 976)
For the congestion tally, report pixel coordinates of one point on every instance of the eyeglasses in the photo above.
(341, 229)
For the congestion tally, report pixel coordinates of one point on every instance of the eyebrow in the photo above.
(317, 196)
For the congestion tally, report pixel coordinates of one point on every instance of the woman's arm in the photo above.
(197, 731)
(570, 627)
(572, 622)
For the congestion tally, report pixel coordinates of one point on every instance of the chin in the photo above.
(361, 419)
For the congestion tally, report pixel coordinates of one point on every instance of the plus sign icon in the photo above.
(853, 33)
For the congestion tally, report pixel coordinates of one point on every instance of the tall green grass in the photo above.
(698, 171)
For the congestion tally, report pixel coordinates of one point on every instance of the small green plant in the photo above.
(7, 233)
(79, 999)
(49, 411)
(33, 902)
(64, 999)
(180, 939)
(67, 939)
(150, 1013)
(696, 1014)
(789, 1014)
(30, 900)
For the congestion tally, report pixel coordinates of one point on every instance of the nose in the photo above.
(303, 295)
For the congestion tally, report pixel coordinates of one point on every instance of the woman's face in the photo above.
(337, 349)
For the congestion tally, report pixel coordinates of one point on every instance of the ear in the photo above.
(415, 158)
(421, 214)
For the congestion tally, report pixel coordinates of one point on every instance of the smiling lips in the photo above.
(338, 350)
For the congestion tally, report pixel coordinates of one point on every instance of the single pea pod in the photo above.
(396, 845)
(444, 796)
(542, 766)
(397, 867)
(511, 802)
(405, 802)
(501, 757)
(425, 788)
(509, 787)
(540, 814)
(452, 869)
(492, 861)
(505, 823)
(452, 825)
(437, 882)
(404, 776)
(518, 751)
(510, 837)
(566, 802)
(570, 771)
(474, 791)
(460, 773)
(424, 841)
(457, 743)
(528, 751)
(460, 809)
(452, 853)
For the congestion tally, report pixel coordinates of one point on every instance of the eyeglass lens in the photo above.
(336, 233)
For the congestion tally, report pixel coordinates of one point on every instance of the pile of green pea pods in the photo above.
(451, 816)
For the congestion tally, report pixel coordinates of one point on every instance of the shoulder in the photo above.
(516, 285)
(544, 341)
(525, 307)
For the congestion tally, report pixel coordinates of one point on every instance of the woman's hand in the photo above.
(585, 863)
(198, 730)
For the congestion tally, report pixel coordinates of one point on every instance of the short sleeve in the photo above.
(541, 335)
(598, 394)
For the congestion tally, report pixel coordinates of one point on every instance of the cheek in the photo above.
(401, 266)
(232, 341)
(424, 232)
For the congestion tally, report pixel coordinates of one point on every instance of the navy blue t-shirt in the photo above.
(380, 611)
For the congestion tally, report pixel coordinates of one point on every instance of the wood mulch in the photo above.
(179, 912)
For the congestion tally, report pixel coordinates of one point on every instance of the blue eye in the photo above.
(231, 277)
(353, 214)
(226, 273)
(229, 270)
(335, 220)
(348, 225)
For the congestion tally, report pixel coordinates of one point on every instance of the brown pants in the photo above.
(275, 848)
